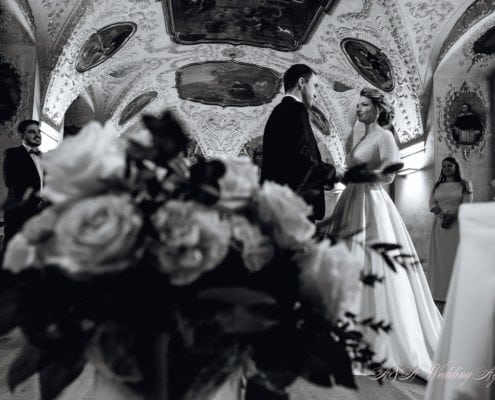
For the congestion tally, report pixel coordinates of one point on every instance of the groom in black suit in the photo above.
(22, 175)
(290, 152)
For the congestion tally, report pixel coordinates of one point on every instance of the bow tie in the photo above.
(36, 152)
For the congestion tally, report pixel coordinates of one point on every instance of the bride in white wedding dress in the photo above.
(403, 298)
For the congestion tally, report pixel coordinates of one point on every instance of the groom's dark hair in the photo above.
(295, 72)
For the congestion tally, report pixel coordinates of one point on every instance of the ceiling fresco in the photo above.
(402, 42)
(370, 62)
(227, 83)
(104, 44)
(281, 25)
(136, 105)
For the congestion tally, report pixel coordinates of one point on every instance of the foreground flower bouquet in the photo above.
(171, 279)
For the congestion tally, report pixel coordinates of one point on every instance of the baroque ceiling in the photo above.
(112, 60)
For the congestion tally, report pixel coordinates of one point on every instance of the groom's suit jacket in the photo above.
(20, 175)
(291, 155)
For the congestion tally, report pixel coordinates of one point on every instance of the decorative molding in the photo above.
(429, 16)
(446, 107)
(363, 14)
(473, 14)
(223, 131)
(480, 59)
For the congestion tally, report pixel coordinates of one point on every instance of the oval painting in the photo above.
(227, 83)
(10, 87)
(370, 62)
(136, 105)
(103, 44)
(486, 43)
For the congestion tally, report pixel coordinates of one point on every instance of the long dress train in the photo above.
(403, 298)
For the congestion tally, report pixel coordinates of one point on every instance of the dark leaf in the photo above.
(204, 181)
(385, 246)
(259, 388)
(200, 370)
(9, 316)
(169, 138)
(237, 295)
(389, 262)
(242, 320)
(116, 348)
(393, 168)
(371, 279)
(328, 358)
(407, 260)
(30, 361)
(60, 373)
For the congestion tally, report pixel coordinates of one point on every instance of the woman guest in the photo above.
(403, 297)
(447, 195)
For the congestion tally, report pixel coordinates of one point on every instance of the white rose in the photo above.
(329, 277)
(257, 248)
(80, 164)
(193, 240)
(239, 183)
(95, 235)
(286, 213)
(20, 254)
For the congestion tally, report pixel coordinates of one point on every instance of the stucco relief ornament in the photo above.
(462, 120)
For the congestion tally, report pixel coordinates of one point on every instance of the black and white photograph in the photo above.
(247, 200)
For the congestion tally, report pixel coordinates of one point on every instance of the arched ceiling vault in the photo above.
(413, 35)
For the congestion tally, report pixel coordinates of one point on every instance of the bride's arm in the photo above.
(389, 154)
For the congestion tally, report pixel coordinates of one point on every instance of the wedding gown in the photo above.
(403, 298)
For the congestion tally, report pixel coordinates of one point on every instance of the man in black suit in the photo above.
(290, 152)
(22, 175)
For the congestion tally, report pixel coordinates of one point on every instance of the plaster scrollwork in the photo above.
(398, 31)
(64, 82)
(446, 107)
(408, 111)
(56, 13)
(118, 98)
(480, 59)
(223, 132)
(428, 15)
(363, 14)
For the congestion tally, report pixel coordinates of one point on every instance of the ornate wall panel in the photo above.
(448, 111)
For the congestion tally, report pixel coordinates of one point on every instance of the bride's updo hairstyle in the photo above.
(378, 100)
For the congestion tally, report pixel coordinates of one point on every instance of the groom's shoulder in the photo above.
(289, 106)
